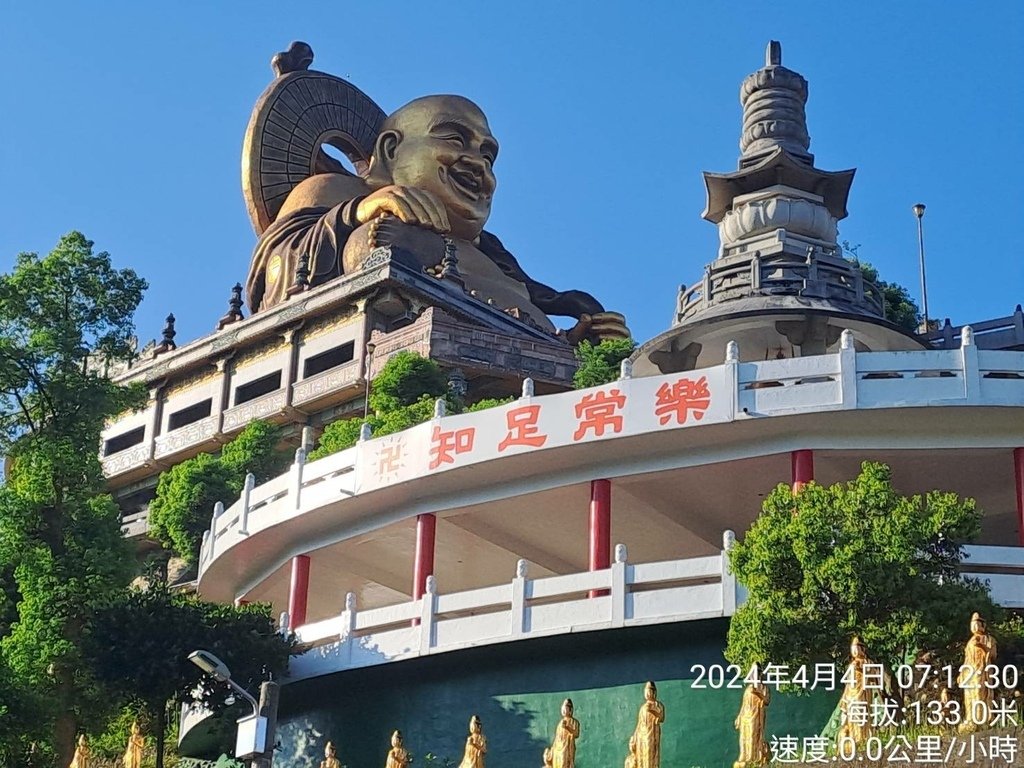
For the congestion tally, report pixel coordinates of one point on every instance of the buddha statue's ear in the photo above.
(384, 150)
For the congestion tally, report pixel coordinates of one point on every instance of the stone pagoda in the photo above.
(780, 286)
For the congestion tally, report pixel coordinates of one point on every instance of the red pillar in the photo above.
(1018, 472)
(299, 592)
(803, 469)
(600, 528)
(426, 527)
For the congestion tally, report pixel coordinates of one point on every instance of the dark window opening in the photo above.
(329, 359)
(125, 441)
(189, 415)
(258, 388)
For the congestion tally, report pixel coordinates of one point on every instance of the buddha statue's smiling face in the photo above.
(442, 145)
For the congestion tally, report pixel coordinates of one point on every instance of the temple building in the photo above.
(572, 543)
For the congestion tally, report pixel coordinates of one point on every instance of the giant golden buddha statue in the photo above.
(424, 185)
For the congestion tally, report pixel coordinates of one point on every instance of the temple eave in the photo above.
(778, 168)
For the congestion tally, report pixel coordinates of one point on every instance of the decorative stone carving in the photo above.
(774, 209)
(196, 432)
(259, 408)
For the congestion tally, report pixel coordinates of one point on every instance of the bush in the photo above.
(855, 558)
(599, 364)
(187, 492)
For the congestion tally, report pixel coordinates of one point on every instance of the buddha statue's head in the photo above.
(857, 650)
(396, 739)
(650, 691)
(442, 145)
(135, 727)
(567, 708)
(977, 624)
(329, 749)
(475, 724)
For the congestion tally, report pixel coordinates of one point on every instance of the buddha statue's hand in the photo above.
(410, 205)
(598, 327)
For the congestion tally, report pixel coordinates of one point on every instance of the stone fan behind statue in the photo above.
(431, 175)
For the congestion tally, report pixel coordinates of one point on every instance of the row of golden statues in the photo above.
(132, 754)
(645, 743)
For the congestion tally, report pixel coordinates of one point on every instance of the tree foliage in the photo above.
(142, 640)
(187, 492)
(403, 395)
(900, 308)
(599, 363)
(854, 558)
(61, 550)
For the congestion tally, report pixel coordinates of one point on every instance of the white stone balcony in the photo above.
(952, 412)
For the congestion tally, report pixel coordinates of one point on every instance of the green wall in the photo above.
(517, 689)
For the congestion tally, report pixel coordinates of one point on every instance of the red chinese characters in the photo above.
(682, 398)
(598, 411)
(445, 445)
(522, 428)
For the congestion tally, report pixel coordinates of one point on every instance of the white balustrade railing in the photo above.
(841, 381)
(624, 595)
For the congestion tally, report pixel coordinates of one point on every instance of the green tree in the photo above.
(403, 395)
(900, 308)
(187, 492)
(599, 363)
(141, 641)
(854, 558)
(60, 540)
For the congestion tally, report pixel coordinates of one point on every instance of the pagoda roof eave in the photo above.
(780, 167)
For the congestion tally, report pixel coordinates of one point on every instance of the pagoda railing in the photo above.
(819, 274)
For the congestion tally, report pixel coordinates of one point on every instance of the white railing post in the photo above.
(527, 388)
(732, 383)
(250, 483)
(518, 604)
(218, 510)
(440, 408)
(847, 370)
(282, 623)
(348, 617)
(728, 578)
(428, 606)
(365, 432)
(626, 369)
(297, 467)
(618, 591)
(204, 548)
(969, 364)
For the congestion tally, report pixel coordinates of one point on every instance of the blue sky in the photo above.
(124, 120)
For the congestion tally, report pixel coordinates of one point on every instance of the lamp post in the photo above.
(919, 213)
(368, 359)
(256, 731)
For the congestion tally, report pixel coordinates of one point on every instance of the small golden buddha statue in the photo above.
(856, 691)
(398, 757)
(563, 748)
(750, 723)
(136, 746)
(83, 754)
(646, 741)
(476, 745)
(547, 757)
(974, 678)
(330, 757)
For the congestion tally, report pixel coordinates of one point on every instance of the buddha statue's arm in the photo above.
(315, 222)
(552, 302)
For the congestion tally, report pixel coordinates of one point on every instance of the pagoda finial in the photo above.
(773, 101)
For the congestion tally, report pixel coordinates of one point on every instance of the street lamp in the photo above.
(252, 731)
(919, 213)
